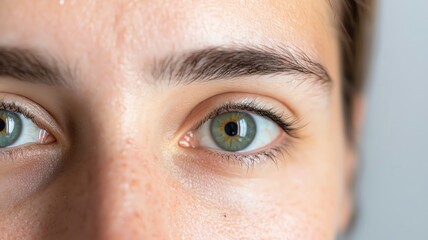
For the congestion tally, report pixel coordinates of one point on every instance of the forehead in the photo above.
(141, 30)
(216, 21)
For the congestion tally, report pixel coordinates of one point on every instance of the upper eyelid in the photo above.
(290, 126)
(13, 107)
(225, 107)
(200, 112)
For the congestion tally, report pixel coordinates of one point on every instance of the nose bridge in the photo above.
(131, 192)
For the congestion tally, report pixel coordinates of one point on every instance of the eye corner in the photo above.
(46, 137)
(187, 140)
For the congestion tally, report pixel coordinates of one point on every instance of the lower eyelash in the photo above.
(15, 154)
(259, 158)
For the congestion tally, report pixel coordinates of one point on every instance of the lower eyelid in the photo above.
(205, 162)
(215, 159)
(27, 153)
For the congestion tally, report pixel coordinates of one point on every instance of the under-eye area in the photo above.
(30, 151)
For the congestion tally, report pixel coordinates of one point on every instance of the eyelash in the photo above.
(13, 107)
(250, 160)
(288, 124)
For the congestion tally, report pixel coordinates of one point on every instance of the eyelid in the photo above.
(203, 109)
(285, 121)
(34, 112)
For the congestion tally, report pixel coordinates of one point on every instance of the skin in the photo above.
(117, 170)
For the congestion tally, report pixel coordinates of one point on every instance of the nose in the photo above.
(131, 199)
(129, 194)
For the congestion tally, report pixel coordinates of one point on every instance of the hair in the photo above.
(355, 26)
(356, 18)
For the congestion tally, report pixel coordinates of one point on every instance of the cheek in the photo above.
(298, 212)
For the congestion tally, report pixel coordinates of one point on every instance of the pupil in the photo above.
(231, 128)
(2, 125)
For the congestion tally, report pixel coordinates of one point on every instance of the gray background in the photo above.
(393, 186)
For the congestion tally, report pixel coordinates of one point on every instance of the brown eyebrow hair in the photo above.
(232, 62)
(29, 66)
(213, 63)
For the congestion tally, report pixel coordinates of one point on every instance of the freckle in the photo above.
(149, 188)
(129, 141)
(134, 183)
(137, 215)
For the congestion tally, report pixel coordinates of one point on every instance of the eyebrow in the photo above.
(214, 63)
(218, 63)
(29, 66)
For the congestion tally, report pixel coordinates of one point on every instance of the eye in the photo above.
(241, 129)
(237, 131)
(17, 129)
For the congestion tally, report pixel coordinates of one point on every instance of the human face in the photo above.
(119, 92)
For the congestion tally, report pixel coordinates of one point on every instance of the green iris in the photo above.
(233, 131)
(10, 128)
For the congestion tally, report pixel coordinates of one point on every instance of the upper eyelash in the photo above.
(288, 124)
(13, 107)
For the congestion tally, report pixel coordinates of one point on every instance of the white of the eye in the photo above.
(30, 132)
(267, 132)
